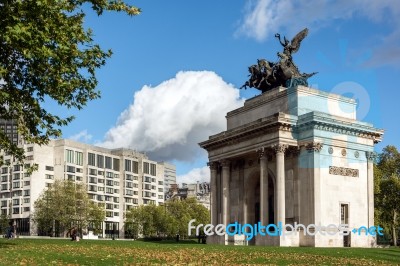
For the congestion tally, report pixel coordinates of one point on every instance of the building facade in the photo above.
(169, 175)
(119, 178)
(294, 156)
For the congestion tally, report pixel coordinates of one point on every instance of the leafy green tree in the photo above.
(4, 223)
(46, 54)
(66, 203)
(387, 190)
(166, 220)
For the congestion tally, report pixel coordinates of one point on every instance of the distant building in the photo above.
(200, 191)
(169, 175)
(119, 178)
(10, 128)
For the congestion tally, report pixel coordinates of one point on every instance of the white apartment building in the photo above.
(119, 178)
(169, 175)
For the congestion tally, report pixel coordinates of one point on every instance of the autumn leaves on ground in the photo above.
(98, 252)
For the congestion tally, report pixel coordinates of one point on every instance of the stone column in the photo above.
(370, 186)
(263, 186)
(213, 184)
(225, 189)
(280, 182)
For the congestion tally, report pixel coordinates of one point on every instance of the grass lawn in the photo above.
(108, 252)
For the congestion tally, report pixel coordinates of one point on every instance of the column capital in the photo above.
(314, 146)
(225, 163)
(280, 148)
(370, 155)
(262, 152)
(294, 150)
(213, 165)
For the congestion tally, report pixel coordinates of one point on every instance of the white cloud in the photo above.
(196, 174)
(82, 136)
(263, 18)
(167, 121)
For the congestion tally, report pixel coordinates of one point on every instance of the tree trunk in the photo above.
(394, 235)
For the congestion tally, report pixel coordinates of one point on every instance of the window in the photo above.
(135, 167)
(116, 214)
(26, 209)
(116, 183)
(116, 164)
(17, 176)
(116, 200)
(153, 169)
(153, 187)
(160, 182)
(4, 178)
(92, 188)
(135, 192)
(100, 161)
(47, 184)
(147, 179)
(49, 176)
(4, 187)
(153, 180)
(109, 175)
(160, 197)
(27, 193)
(15, 201)
(109, 190)
(108, 163)
(109, 214)
(100, 197)
(93, 180)
(129, 192)
(100, 181)
(17, 193)
(129, 177)
(79, 170)
(16, 184)
(109, 183)
(147, 186)
(17, 167)
(116, 191)
(71, 177)
(92, 171)
(160, 190)
(15, 210)
(100, 188)
(29, 158)
(27, 183)
(4, 170)
(109, 206)
(91, 159)
(128, 165)
(70, 169)
(100, 173)
(78, 178)
(27, 200)
(146, 168)
(29, 149)
(129, 184)
(69, 156)
(79, 158)
(4, 203)
(49, 168)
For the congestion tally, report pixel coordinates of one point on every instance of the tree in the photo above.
(46, 54)
(4, 223)
(66, 204)
(165, 220)
(387, 194)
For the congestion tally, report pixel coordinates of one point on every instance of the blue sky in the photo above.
(185, 60)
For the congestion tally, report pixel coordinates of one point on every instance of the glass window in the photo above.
(116, 164)
(100, 161)
(91, 159)
(108, 162)
(135, 167)
(69, 156)
(79, 158)
(146, 168)
(128, 165)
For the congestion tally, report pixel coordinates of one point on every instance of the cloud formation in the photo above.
(194, 175)
(167, 121)
(263, 18)
(82, 136)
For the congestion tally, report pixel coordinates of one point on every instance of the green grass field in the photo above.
(103, 252)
